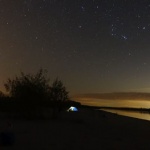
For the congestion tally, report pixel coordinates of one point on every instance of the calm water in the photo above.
(134, 114)
(129, 103)
(122, 103)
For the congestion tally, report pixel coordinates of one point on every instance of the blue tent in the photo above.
(72, 108)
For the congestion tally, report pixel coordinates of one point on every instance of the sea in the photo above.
(123, 103)
(131, 104)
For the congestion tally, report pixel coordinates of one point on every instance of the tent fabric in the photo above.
(72, 108)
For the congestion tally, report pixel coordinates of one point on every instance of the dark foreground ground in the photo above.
(84, 130)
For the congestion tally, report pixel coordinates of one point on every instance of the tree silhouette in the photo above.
(33, 92)
(28, 86)
(58, 95)
(29, 92)
(58, 91)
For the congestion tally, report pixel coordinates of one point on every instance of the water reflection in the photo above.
(134, 114)
(120, 103)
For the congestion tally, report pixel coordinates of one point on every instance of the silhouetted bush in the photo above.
(58, 95)
(28, 86)
(30, 94)
(58, 91)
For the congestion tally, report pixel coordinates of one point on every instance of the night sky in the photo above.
(93, 46)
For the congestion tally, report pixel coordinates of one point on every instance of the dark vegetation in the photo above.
(31, 96)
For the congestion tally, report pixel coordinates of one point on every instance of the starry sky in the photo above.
(93, 46)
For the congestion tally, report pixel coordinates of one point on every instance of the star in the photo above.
(82, 8)
(66, 36)
(124, 37)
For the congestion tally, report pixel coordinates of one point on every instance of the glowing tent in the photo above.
(72, 108)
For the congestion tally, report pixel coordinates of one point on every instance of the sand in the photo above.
(84, 130)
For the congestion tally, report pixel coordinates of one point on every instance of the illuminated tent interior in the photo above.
(72, 108)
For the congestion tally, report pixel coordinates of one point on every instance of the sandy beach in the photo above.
(86, 130)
